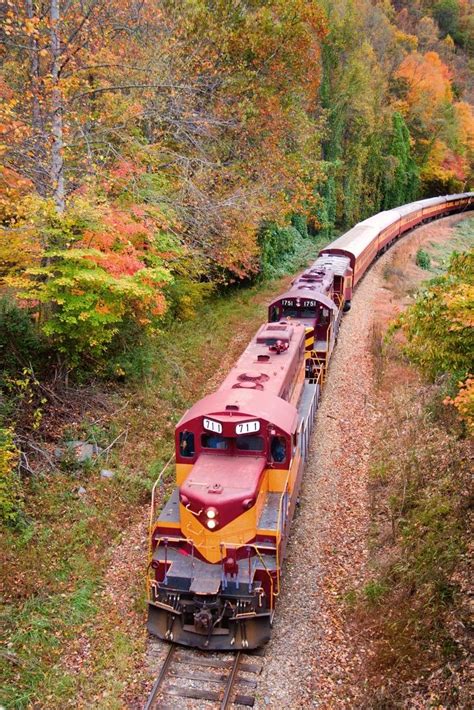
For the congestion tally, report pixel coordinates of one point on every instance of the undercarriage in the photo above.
(231, 621)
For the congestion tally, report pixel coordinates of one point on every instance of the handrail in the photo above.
(152, 507)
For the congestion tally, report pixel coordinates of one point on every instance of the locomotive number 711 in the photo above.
(247, 428)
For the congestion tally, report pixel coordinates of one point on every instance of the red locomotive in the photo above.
(216, 548)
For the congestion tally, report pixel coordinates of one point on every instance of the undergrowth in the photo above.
(414, 605)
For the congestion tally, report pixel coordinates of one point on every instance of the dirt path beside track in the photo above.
(312, 659)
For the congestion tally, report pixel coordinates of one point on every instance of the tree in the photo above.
(435, 123)
(446, 13)
(401, 181)
(439, 327)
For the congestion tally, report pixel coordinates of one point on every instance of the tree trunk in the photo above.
(57, 160)
(40, 176)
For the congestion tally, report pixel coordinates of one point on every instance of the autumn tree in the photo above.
(439, 328)
(435, 121)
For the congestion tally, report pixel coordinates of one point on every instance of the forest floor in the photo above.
(75, 613)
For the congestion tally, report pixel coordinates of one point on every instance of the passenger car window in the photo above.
(186, 444)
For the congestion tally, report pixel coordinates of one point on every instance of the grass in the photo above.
(439, 253)
(74, 619)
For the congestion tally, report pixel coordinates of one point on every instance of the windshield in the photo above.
(249, 442)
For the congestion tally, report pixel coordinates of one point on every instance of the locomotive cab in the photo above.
(319, 314)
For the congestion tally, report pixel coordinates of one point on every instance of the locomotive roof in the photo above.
(309, 291)
(244, 404)
(260, 366)
(253, 386)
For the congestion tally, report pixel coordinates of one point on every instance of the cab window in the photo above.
(186, 444)
(278, 449)
(214, 441)
(249, 442)
(290, 312)
(274, 314)
(324, 316)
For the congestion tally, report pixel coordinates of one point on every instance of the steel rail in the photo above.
(161, 677)
(227, 700)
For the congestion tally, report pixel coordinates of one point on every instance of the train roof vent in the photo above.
(248, 385)
(253, 376)
(251, 380)
(263, 358)
(280, 326)
(232, 407)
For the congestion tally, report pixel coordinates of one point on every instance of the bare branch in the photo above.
(128, 87)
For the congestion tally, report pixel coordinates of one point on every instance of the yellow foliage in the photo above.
(464, 403)
(465, 116)
(10, 493)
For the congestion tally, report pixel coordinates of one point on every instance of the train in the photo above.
(217, 546)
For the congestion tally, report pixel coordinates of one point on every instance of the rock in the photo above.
(58, 453)
(105, 473)
(81, 491)
(82, 450)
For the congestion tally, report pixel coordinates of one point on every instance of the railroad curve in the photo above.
(329, 538)
(310, 657)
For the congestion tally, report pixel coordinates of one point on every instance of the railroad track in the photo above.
(221, 682)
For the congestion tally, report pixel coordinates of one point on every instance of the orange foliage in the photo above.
(443, 164)
(429, 80)
(464, 402)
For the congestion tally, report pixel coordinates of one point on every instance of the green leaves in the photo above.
(11, 504)
(439, 328)
(81, 305)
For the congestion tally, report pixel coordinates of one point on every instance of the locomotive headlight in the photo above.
(211, 524)
(211, 514)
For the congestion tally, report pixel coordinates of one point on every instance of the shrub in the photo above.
(275, 243)
(438, 325)
(300, 222)
(423, 259)
(11, 505)
(83, 305)
(20, 340)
